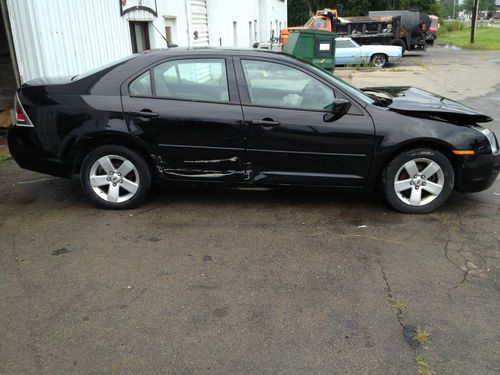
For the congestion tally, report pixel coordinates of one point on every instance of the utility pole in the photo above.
(475, 8)
(454, 2)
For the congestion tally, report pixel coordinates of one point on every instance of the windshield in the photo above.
(98, 69)
(309, 22)
(348, 88)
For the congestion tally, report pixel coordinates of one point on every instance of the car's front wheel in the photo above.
(418, 181)
(115, 177)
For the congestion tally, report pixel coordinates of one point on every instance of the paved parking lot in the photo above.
(235, 281)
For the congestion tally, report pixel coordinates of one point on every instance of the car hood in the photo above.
(416, 102)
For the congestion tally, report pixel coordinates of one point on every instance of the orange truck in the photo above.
(322, 20)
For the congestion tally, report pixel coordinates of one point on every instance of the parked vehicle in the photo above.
(348, 52)
(405, 28)
(412, 26)
(433, 29)
(250, 118)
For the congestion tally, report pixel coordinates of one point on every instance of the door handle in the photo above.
(144, 113)
(265, 122)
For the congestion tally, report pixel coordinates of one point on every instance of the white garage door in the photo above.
(200, 22)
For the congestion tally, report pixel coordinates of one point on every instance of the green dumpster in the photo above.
(315, 46)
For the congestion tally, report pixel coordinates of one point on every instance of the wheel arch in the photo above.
(436, 144)
(88, 143)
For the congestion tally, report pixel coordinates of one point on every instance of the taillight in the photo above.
(21, 119)
(20, 116)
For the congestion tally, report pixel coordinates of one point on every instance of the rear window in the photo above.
(103, 67)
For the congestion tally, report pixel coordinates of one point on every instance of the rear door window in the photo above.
(192, 79)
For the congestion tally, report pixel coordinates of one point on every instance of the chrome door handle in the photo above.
(265, 122)
(145, 114)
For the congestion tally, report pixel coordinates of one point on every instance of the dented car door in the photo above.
(190, 110)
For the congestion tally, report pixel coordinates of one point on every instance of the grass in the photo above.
(487, 38)
(422, 65)
(422, 335)
(396, 304)
(423, 368)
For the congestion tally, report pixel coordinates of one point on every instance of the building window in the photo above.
(139, 35)
(235, 33)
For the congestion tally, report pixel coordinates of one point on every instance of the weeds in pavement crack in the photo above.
(423, 369)
(415, 337)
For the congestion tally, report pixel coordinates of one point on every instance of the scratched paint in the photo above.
(233, 159)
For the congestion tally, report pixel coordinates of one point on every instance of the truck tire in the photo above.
(401, 43)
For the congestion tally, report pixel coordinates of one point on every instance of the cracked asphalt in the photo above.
(259, 282)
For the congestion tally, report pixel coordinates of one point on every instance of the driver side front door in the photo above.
(288, 137)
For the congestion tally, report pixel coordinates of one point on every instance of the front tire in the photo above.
(115, 177)
(379, 60)
(418, 181)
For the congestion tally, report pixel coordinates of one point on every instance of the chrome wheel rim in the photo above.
(378, 61)
(419, 181)
(114, 178)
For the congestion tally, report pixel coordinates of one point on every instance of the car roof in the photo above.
(165, 52)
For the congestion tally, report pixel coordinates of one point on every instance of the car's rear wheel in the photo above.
(115, 177)
(379, 60)
(418, 181)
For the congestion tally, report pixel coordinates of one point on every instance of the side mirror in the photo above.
(338, 109)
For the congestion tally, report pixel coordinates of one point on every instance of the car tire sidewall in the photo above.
(379, 55)
(139, 163)
(394, 166)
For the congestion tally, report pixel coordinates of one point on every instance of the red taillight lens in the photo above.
(20, 116)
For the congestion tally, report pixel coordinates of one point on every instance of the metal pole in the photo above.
(454, 3)
(475, 7)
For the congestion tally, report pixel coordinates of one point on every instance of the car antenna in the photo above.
(169, 45)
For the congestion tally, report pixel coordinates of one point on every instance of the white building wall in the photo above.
(227, 16)
(68, 37)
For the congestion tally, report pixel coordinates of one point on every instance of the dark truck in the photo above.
(405, 28)
(413, 26)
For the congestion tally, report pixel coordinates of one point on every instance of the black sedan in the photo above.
(248, 118)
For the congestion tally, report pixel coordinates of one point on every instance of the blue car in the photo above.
(348, 52)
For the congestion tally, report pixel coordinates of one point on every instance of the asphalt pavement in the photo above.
(255, 282)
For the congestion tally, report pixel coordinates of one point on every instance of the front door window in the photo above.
(276, 85)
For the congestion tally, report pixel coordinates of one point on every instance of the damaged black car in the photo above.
(250, 118)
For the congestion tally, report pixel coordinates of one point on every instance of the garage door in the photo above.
(200, 22)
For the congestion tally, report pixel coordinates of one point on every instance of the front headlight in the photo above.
(491, 138)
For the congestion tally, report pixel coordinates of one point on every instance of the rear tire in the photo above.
(400, 43)
(418, 181)
(115, 177)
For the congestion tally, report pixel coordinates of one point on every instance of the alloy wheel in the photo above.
(419, 181)
(378, 61)
(114, 178)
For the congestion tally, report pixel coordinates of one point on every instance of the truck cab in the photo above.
(322, 20)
